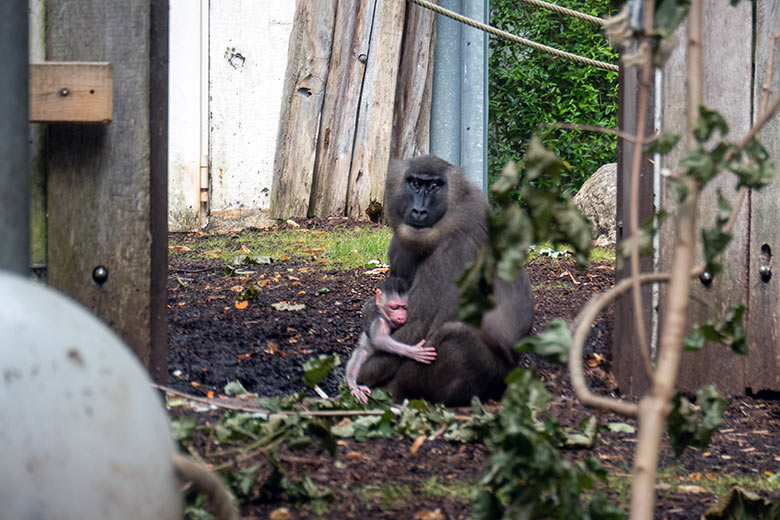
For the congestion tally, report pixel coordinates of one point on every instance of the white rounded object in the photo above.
(82, 433)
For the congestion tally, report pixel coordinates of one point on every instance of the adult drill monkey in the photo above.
(439, 224)
(392, 301)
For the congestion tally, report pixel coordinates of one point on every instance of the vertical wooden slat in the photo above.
(158, 188)
(627, 362)
(340, 108)
(412, 113)
(727, 89)
(763, 368)
(304, 91)
(375, 121)
(99, 177)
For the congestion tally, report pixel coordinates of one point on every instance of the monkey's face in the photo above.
(394, 307)
(423, 199)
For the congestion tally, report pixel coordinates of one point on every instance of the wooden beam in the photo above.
(71, 92)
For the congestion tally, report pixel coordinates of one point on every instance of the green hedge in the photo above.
(528, 88)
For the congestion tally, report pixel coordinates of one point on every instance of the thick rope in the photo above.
(516, 39)
(567, 12)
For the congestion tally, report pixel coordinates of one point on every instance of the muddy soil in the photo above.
(212, 342)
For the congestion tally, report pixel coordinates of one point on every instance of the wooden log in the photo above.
(375, 121)
(100, 178)
(304, 91)
(71, 92)
(340, 108)
(412, 113)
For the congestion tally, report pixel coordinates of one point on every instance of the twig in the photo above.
(191, 271)
(581, 329)
(654, 407)
(592, 128)
(311, 413)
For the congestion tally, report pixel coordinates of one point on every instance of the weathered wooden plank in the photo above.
(763, 323)
(727, 88)
(627, 362)
(71, 92)
(304, 91)
(99, 182)
(375, 123)
(412, 114)
(340, 108)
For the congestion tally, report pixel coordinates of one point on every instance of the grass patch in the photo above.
(394, 495)
(545, 252)
(390, 495)
(458, 491)
(712, 481)
(343, 249)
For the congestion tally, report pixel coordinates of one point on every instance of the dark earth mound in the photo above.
(212, 342)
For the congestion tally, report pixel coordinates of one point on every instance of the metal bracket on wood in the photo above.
(71, 92)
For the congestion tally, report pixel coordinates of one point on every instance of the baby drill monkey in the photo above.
(392, 302)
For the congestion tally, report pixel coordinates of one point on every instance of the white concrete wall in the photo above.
(248, 56)
(184, 116)
(247, 44)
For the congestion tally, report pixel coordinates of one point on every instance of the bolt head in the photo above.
(100, 275)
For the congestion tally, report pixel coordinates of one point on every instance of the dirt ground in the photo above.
(211, 343)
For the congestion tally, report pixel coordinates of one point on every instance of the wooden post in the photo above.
(763, 323)
(727, 53)
(304, 92)
(627, 363)
(728, 59)
(340, 108)
(412, 115)
(375, 124)
(106, 206)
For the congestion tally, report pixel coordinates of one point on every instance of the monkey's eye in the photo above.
(416, 184)
(435, 186)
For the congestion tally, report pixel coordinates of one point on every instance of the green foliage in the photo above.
(530, 89)
(553, 343)
(729, 332)
(691, 425)
(317, 369)
(545, 215)
(739, 504)
(527, 476)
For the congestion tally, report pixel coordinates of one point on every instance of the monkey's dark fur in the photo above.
(439, 224)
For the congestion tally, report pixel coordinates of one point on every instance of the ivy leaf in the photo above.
(689, 425)
(754, 175)
(553, 343)
(183, 428)
(317, 369)
(585, 436)
(664, 144)
(729, 332)
(724, 210)
(708, 122)
(715, 241)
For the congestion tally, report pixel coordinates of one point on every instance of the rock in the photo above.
(597, 199)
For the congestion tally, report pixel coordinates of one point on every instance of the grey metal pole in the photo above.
(447, 86)
(14, 107)
(459, 105)
(474, 109)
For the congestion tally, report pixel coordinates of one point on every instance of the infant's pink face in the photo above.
(396, 312)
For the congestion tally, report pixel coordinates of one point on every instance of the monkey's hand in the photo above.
(360, 393)
(422, 354)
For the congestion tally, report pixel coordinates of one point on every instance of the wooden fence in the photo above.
(357, 92)
(736, 50)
